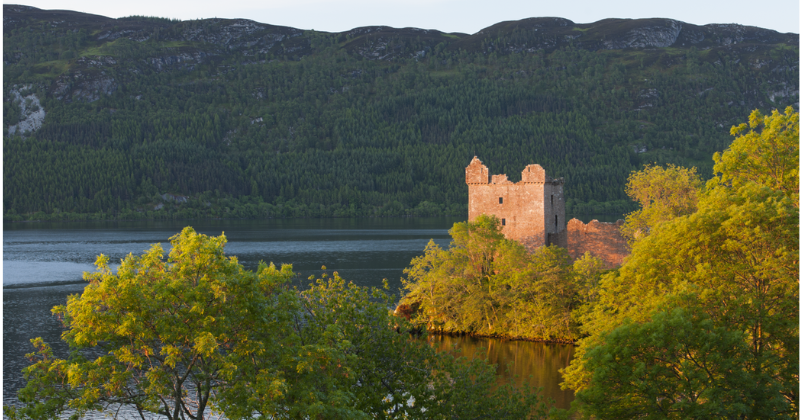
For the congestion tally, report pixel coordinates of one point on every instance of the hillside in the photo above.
(145, 117)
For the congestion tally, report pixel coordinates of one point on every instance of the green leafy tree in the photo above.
(170, 332)
(765, 153)
(398, 376)
(486, 284)
(663, 194)
(732, 268)
(679, 365)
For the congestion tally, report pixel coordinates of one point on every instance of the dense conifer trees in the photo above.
(328, 132)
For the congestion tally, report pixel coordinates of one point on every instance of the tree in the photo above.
(766, 155)
(486, 284)
(398, 376)
(729, 269)
(663, 194)
(197, 333)
(679, 365)
(168, 332)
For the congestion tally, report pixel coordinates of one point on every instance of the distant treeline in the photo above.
(334, 134)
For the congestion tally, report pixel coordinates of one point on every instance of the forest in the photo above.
(151, 118)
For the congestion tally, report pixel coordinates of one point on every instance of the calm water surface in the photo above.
(43, 264)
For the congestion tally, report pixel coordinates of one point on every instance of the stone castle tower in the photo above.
(532, 212)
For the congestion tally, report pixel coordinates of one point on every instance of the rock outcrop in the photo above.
(657, 35)
(31, 111)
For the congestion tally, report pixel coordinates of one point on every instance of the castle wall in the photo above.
(602, 240)
(529, 210)
(555, 218)
(522, 209)
(558, 239)
(533, 212)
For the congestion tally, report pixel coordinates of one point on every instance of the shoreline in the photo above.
(503, 337)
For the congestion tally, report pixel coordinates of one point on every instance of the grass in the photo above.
(51, 69)
(94, 51)
(174, 44)
(108, 49)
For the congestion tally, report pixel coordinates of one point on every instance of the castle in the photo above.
(532, 212)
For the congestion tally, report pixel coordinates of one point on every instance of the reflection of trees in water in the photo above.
(521, 361)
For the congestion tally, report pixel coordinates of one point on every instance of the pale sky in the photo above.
(468, 16)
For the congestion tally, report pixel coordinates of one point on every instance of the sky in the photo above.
(466, 16)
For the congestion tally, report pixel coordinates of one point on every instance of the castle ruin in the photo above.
(532, 212)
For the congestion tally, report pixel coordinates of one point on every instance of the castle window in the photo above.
(503, 221)
(556, 222)
(551, 201)
(501, 200)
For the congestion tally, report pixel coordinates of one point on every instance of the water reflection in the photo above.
(518, 361)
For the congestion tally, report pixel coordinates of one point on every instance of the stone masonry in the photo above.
(602, 240)
(528, 210)
(533, 213)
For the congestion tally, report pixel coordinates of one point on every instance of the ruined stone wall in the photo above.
(602, 240)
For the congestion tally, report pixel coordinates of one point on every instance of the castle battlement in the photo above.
(532, 212)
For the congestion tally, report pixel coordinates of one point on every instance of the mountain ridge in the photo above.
(621, 33)
(255, 120)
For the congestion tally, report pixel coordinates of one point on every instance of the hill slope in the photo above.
(149, 117)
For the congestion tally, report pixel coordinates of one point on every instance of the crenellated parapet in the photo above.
(534, 173)
(500, 179)
(477, 172)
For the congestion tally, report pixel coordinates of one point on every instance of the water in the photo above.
(43, 264)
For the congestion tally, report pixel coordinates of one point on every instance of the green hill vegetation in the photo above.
(143, 117)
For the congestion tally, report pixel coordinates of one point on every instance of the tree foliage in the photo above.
(764, 153)
(723, 282)
(679, 365)
(488, 285)
(663, 194)
(195, 333)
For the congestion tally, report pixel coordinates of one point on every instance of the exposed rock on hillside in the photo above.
(85, 86)
(179, 61)
(659, 35)
(31, 112)
(551, 33)
(238, 34)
